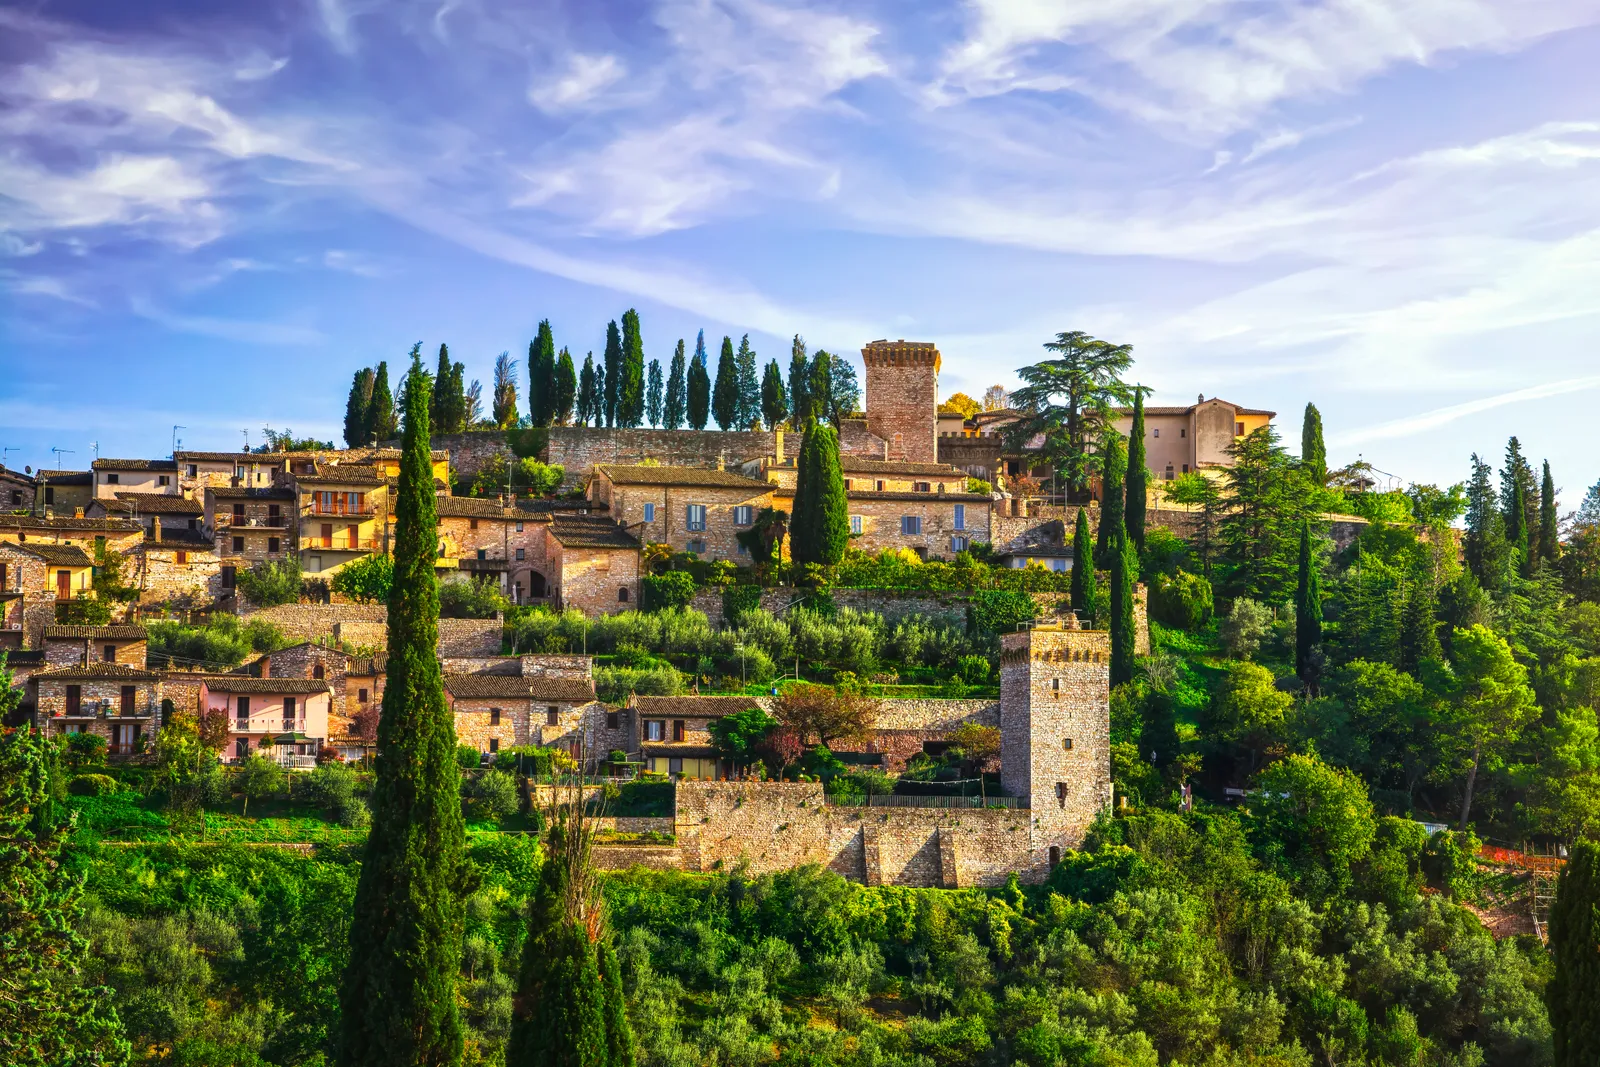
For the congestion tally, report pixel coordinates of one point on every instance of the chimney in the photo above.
(777, 448)
(155, 527)
(77, 513)
(721, 464)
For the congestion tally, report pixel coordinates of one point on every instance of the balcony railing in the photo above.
(97, 710)
(268, 726)
(341, 544)
(338, 508)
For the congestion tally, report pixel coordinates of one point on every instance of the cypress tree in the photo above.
(749, 385)
(1419, 621)
(799, 383)
(1307, 614)
(697, 399)
(820, 530)
(357, 409)
(1485, 543)
(819, 390)
(381, 422)
(542, 391)
(653, 400)
(1085, 594)
(1124, 629)
(613, 373)
(1573, 995)
(437, 415)
(1136, 488)
(1313, 453)
(630, 390)
(586, 391)
(1113, 508)
(1549, 530)
(398, 998)
(774, 405)
(673, 412)
(725, 394)
(565, 391)
(456, 395)
(600, 384)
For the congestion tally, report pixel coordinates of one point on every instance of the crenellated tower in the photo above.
(903, 397)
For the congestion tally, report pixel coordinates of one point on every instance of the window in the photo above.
(483, 553)
(1066, 744)
(1166, 475)
(180, 556)
(879, 484)
(696, 517)
(49, 494)
(1183, 431)
(744, 515)
(649, 512)
(613, 720)
(677, 729)
(227, 577)
(472, 524)
(899, 442)
(697, 547)
(74, 699)
(238, 472)
(522, 554)
(272, 544)
(1186, 468)
(352, 502)
(113, 479)
(552, 716)
(959, 544)
(274, 515)
(1061, 793)
(316, 672)
(849, 484)
(111, 654)
(855, 524)
(921, 487)
(494, 744)
(244, 707)
(494, 716)
(675, 765)
(238, 544)
(361, 695)
(961, 516)
(161, 479)
(288, 708)
(655, 730)
(1055, 686)
(910, 525)
(519, 530)
(1156, 432)
(622, 595)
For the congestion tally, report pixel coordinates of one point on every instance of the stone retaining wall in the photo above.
(315, 622)
(653, 857)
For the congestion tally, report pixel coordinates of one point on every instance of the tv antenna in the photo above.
(5, 454)
(175, 439)
(62, 452)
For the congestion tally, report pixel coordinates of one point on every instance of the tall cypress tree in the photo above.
(697, 399)
(565, 390)
(630, 390)
(774, 405)
(358, 408)
(1485, 543)
(1137, 483)
(441, 386)
(1085, 593)
(600, 385)
(674, 407)
(587, 396)
(1113, 505)
(799, 383)
(398, 999)
(749, 385)
(1123, 563)
(381, 422)
(613, 372)
(1573, 995)
(542, 375)
(1313, 453)
(1308, 614)
(819, 390)
(1549, 530)
(820, 530)
(725, 393)
(653, 400)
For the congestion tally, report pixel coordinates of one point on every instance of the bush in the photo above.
(470, 599)
(336, 789)
(93, 785)
(1000, 610)
(533, 761)
(664, 592)
(366, 580)
(1245, 627)
(468, 758)
(974, 670)
(85, 750)
(220, 645)
(491, 794)
(269, 584)
(737, 600)
(613, 684)
(1180, 600)
(84, 611)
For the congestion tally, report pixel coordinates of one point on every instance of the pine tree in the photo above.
(505, 391)
(819, 390)
(1549, 529)
(820, 529)
(1308, 614)
(565, 390)
(774, 405)
(1136, 487)
(1113, 504)
(1419, 619)
(749, 385)
(1313, 453)
(1519, 505)
(586, 391)
(381, 422)
(725, 394)
(612, 379)
(630, 390)
(674, 410)
(1085, 594)
(799, 383)
(398, 998)
(1485, 543)
(844, 390)
(542, 391)
(1573, 995)
(357, 409)
(653, 399)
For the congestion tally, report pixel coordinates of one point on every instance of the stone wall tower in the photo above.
(903, 397)
(1055, 731)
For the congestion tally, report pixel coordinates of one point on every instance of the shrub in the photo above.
(533, 761)
(1180, 600)
(336, 789)
(491, 794)
(1245, 627)
(613, 684)
(269, 583)
(220, 645)
(92, 785)
(366, 580)
(974, 670)
(664, 592)
(468, 758)
(760, 629)
(1000, 610)
(85, 750)
(84, 611)
(470, 599)
(750, 664)
(737, 600)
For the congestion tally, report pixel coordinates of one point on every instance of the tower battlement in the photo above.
(903, 397)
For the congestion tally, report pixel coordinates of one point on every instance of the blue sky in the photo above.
(210, 215)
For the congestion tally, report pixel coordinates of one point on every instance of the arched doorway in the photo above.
(536, 585)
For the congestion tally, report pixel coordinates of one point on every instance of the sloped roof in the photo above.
(512, 687)
(66, 477)
(98, 672)
(154, 504)
(229, 492)
(106, 633)
(56, 555)
(67, 522)
(627, 474)
(574, 532)
(692, 707)
(135, 465)
(858, 465)
(246, 684)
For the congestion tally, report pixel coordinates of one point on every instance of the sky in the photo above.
(212, 214)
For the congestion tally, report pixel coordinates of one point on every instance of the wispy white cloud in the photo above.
(246, 332)
(1412, 425)
(585, 78)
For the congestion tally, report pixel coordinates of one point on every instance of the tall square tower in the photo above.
(1055, 730)
(903, 397)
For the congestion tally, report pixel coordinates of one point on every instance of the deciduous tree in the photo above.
(1308, 613)
(825, 713)
(1491, 702)
(505, 391)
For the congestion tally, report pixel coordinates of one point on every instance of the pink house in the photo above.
(262, 710)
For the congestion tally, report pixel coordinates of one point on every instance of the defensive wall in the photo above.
(366, 626)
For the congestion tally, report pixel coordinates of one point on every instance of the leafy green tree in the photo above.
(1267, 501)
(565, 390)
(1491, 701)
(1247, 714)
(366, 580)
(270, 582)
(738, 737)
(1312, 821)
(799, 383)
(821, 526)
(674, 408)
(698, 397)
(505, 391)
(725, 403)
(844, 391)
(1308, 613)
(1085, 596)
(1313, 453)
(358, 409)
(1136, 486)
(1549, 525)
(613, 374)
(588, 395)
(774, 405)
(819, 389)
(259, 777)
(1196, 490)
(654, 401)
(49, 1016)
(542, 376)
(749, 385)
(1485, 548)
(381, 424)
(1071, 400)
(1573, 995)
(764, 539)
(1113, 497)
(398, 1001)
(630, 389)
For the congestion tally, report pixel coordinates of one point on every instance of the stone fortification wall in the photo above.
(776, 826)
(365, 625)
(556, 665)
(498, 665)
(469, 452)
(314, 622)
(470, 637)
(578, 449)
(620, 857)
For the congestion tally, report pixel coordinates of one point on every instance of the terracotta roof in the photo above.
(341, 476)
(506, 686)
(66, 477)
(228, 492)
(689, 476)
(108, 633)
(1185, 409)
(99, 671)
(857, 465)
(691, 707)
(472, 507)
(23, 657)
(67, 522)
(245, 684)
(223, 457)
(134, 465)
(57, 555)
(923, 498)
(573, 532)
(157, 503)
(374, 664)
(542, 507)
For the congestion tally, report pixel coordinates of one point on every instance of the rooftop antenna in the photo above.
(59, 453)
(96, 446)
(5, 454)
(175, 439)
(246, 439)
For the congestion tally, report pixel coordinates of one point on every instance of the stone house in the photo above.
(113, 476)
(594, 564)
(343, 515)
(690, 509)
(262, 710)
(672, 735)
(199, 471)
(248, 526)
(65, 492)
(152, 511)
(484, 539)
(495, 711)
(179, 568)
(76, 646)
(65, 570)
(16, 490)
(118, 701)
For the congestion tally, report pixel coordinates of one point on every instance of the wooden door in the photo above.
(129, 699)
(2, 576)
(327, 535)
(63, 585)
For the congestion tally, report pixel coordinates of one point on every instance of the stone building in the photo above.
(672, 735)
(249, 526)
(495, 711)
(76, 646)
(118, 701)
(286, 716)
(152, 511)
(62, 492)
(343, 513)
(903, 397)
(17, 490)
(594, 564)
(1184, 438)
(113, 476)
(691, 509)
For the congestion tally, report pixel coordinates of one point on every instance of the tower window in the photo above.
(1066, 744)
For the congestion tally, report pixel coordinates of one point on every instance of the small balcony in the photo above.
(339, 507)
(341, 544)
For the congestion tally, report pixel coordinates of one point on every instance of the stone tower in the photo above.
(903, 397)
(1055, 730)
